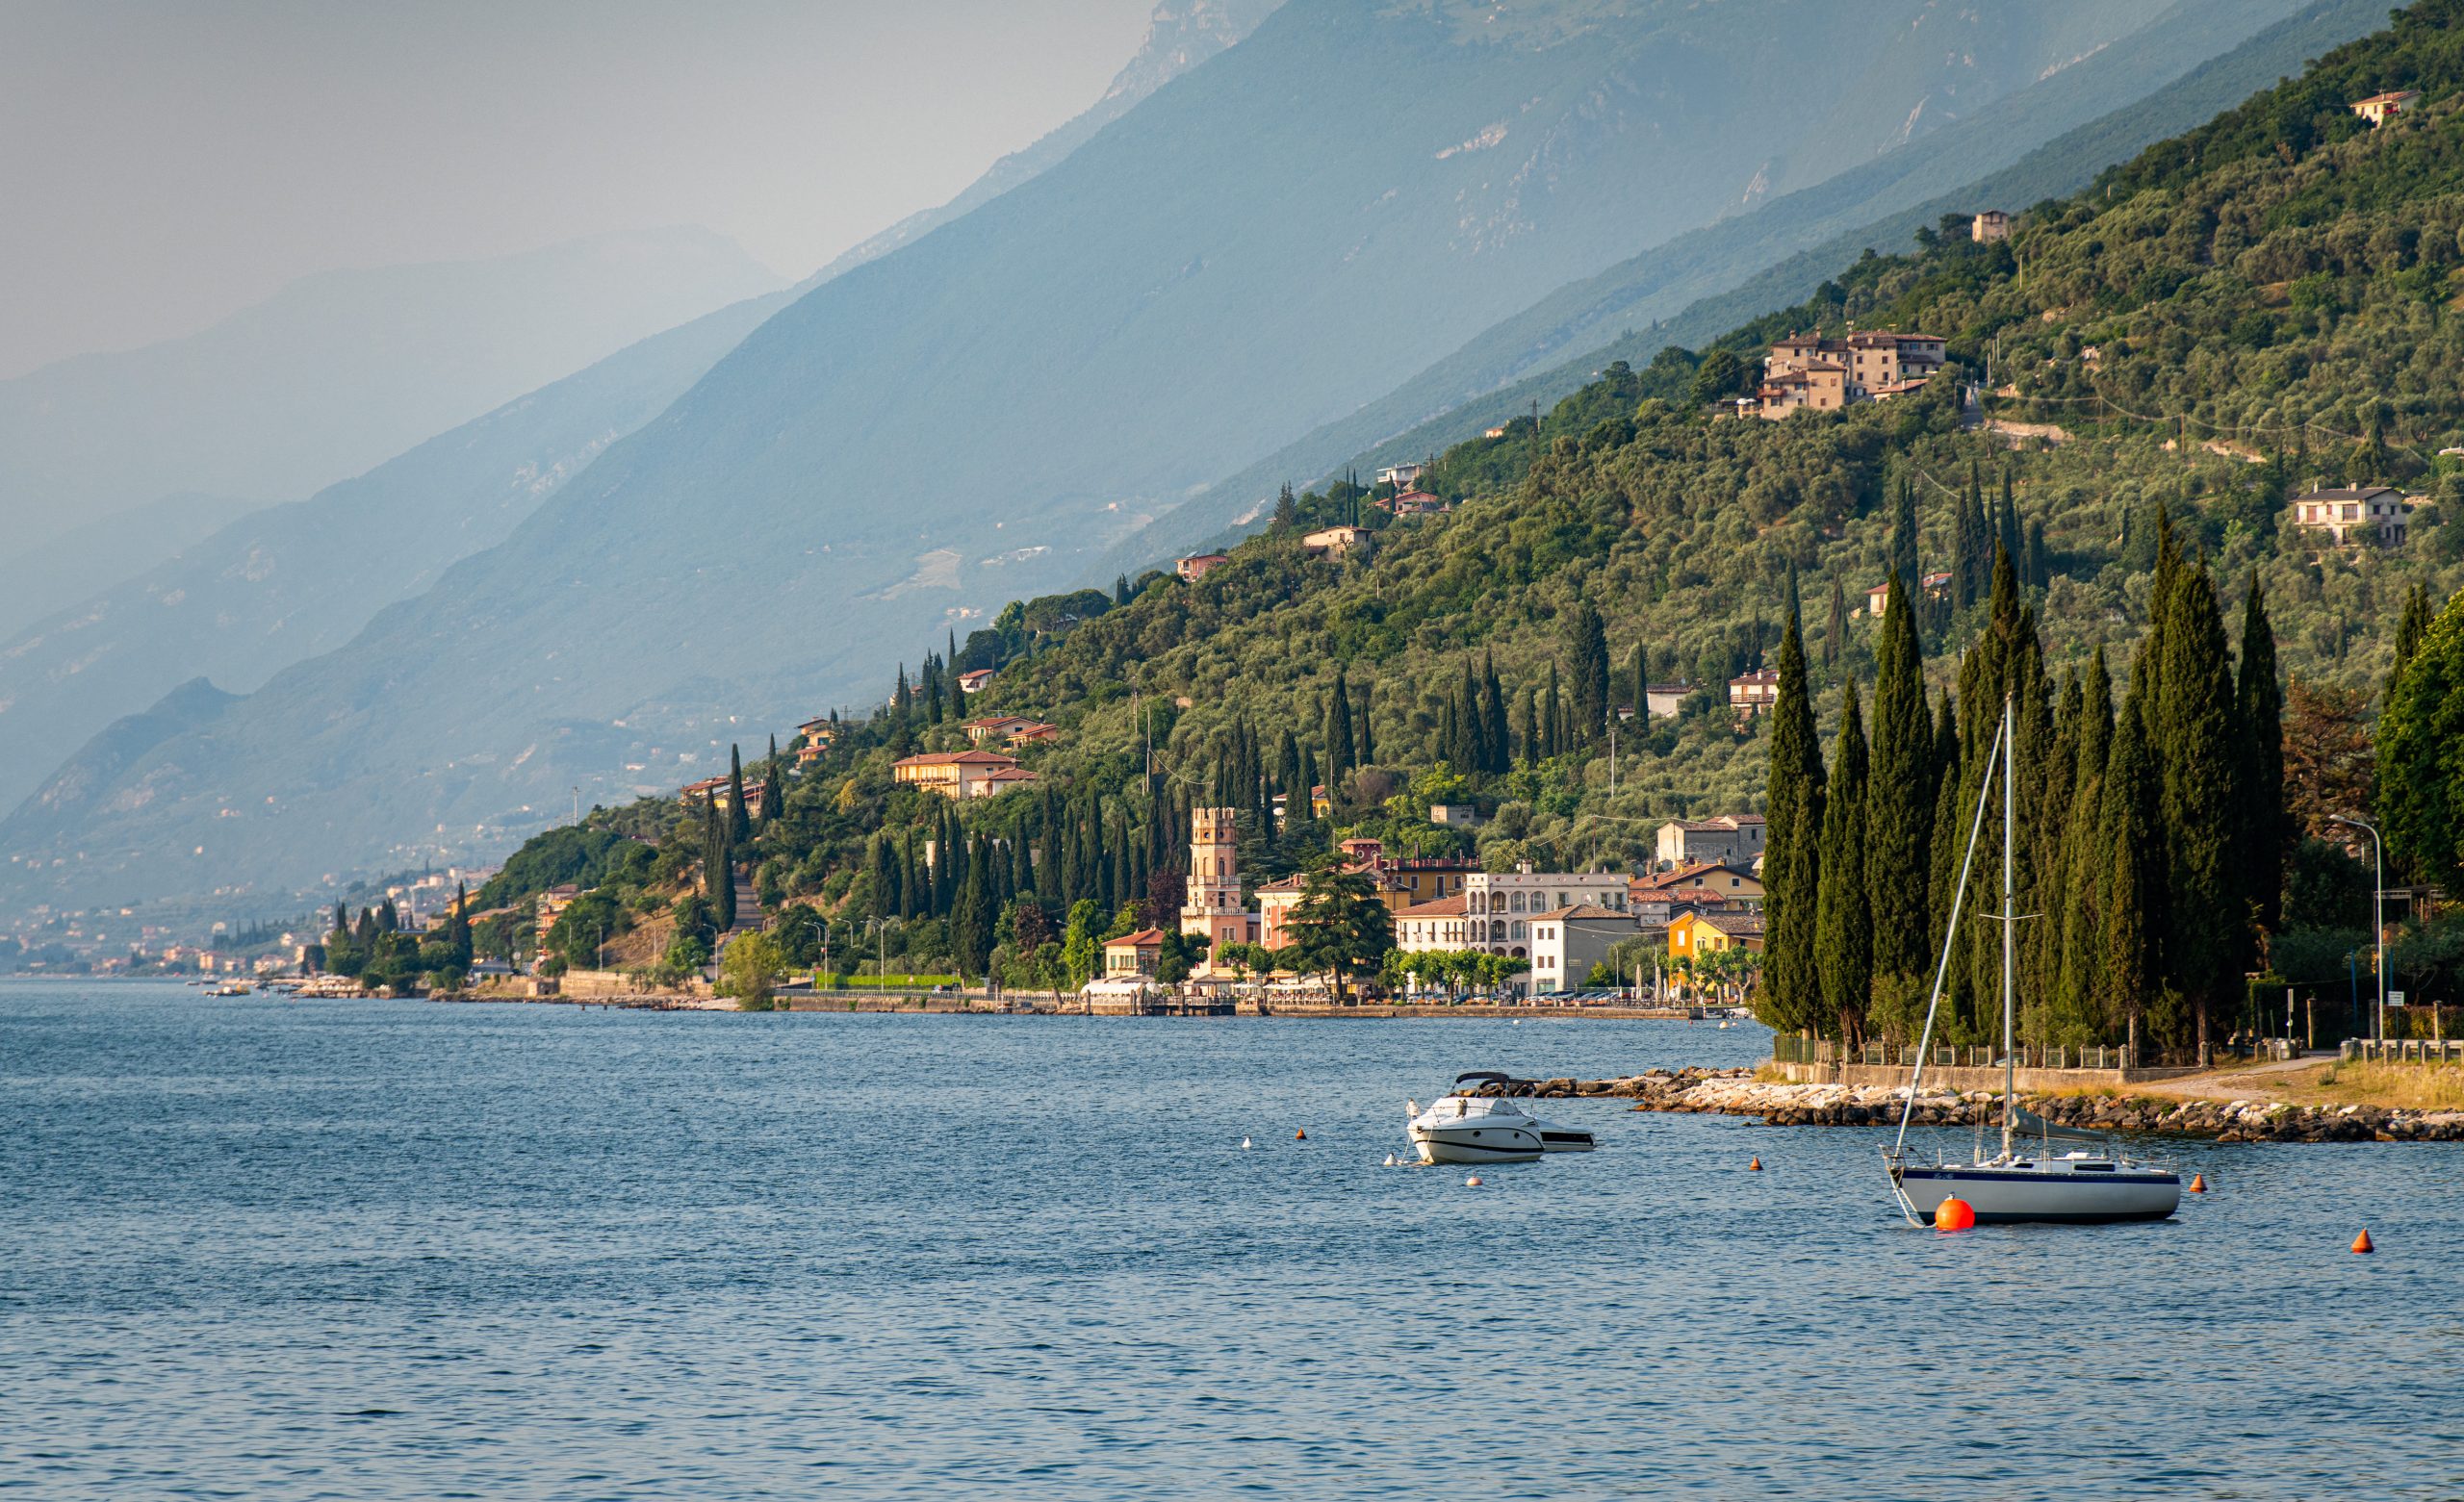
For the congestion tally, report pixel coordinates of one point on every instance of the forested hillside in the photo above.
(2208, 330)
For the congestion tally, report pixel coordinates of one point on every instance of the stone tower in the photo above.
(1211, 909)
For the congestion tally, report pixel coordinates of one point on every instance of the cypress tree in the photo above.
(774, 790)
(2078, 1015)
(739, 821)
(1834, 631)
(913, 897)
(1903, 538)
(1791, 858)
(2007, 522)
(1949, 826)
(2268, 834)
(1588, 657)
(1529, 734)
(1290, 780)
(885, 878)
(1899, 798)
(1368, 741)
(1499, 759)
(2134, 848)
(977, 909)
(2410, 632)
(1638, 685)
(1340, 753)
(1553, 734)
(1843, 925)
(2201, 805)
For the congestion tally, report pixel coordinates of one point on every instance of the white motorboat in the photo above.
(1488, 1128)
(2088, 1184)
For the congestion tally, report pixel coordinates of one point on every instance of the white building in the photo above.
(2364, 513)
(1440, 924)
(1499, 906)
(1565, 944)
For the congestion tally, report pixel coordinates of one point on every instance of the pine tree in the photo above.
(1899, 799)
(1121, 590)
(1588, 657)
(2201, 805)
(2267, 834)
(1791, 857)
(1844, 923)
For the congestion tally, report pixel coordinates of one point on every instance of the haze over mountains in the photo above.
(339, 372)
(1263, 245)
(244, 598)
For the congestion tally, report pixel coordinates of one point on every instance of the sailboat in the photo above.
(2029, 1180)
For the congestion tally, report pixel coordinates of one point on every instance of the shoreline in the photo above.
(1738, 1092)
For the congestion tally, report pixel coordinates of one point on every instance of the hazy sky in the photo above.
(168, 161)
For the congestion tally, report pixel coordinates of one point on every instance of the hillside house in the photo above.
(1690, 934)
(1662, 701)
(1877, 598)
(1701, 884)
(1819, 387)
(1133, 957)
(974, 680)
(1416, 503)
(1454, 816)
(1493, 434)
(2368, 513)
(1403, 477)
(1805, 371)
(1750, 694)
(1725, 840)
(716, 790)
(1195, 568)
(1336, 542)
(1566, 943)
(2379, 107)
(1277, 902)
(1936, 585)
(1988, 226)
(960, 775)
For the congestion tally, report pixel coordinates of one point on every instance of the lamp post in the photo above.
(2377, 913)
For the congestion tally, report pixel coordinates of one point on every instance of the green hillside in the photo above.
(2274, 284)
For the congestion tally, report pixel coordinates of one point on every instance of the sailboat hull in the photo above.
(2007, 1195)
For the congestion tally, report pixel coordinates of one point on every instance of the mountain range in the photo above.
(978, 414)
(338, 372)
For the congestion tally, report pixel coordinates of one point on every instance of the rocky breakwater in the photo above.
(1737, 1092)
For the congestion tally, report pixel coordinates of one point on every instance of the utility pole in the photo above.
(2377, 913)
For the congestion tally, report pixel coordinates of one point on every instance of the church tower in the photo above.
(1211, 909)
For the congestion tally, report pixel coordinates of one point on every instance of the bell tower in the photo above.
(1212, 908)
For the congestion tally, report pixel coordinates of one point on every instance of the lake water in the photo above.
(264, 1249)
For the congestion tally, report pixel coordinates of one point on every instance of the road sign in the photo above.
(2395, 998)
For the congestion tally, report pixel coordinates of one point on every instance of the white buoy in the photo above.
(1471, 1182)
(1244, 1142)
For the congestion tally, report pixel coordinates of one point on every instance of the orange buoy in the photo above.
(1301, 1135)
(2361, 1243)
(1754, 1166)
(1471, 1182)
(1954, 1214)
(2199, 1183)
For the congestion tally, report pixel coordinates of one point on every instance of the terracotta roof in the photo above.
(1682, 876)
(1442, 907)
(1735, 925)
(968, 758)
(2348, 492)
(1144, 938)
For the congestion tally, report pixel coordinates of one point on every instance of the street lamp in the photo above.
(2378, 912)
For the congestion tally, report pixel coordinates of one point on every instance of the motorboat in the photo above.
(2089, 1182)
(1488, 1128)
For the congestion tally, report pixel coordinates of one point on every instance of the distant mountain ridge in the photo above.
(973, 416)
(341, 372)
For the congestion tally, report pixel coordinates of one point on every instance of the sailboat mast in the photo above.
(2010, 922)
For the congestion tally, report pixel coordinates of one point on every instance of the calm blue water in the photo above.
(273, 1250)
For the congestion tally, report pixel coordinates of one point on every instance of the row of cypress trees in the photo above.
(2150, 851)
